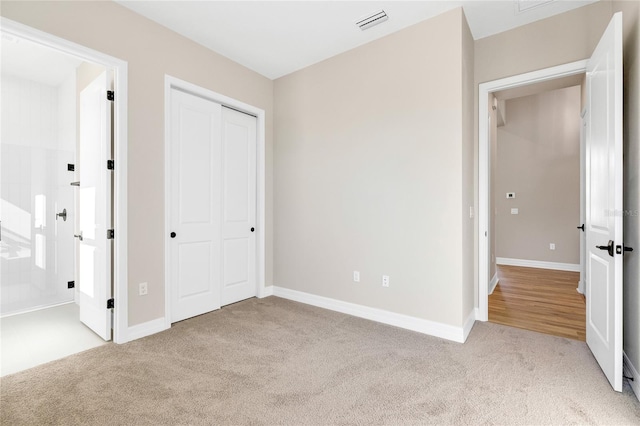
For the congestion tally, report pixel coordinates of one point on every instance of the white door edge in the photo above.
(178, 84)
(119, 67)
(484, 89)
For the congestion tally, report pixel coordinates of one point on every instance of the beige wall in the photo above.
(538, 158)
(468, 189)
(631, 59)
(368, 171)
(151, 51)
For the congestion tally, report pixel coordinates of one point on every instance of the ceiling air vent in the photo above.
(371, 20)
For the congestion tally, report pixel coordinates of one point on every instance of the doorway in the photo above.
(214, 162)
(603, 193)
(536, 207)
(40, 202)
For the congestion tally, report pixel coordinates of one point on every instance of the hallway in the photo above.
(540, 300)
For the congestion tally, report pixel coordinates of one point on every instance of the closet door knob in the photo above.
(253, 229)
(173, 235)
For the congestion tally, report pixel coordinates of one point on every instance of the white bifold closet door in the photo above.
(212, 253)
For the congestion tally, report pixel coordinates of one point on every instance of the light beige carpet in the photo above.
(273, 361)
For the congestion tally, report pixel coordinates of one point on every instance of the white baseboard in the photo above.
(493, 283)
(266, 292)
(630, 371)
(146, 329)
(432, 328)
(572, 267)
(468, 325)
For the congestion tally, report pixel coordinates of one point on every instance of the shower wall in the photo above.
(38, 141)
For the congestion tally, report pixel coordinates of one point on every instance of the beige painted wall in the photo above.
(538, 158)
(631, 59)
(151, 51)
(468, 220)
(368, 171)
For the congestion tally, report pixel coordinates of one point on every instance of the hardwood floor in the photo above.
(541, 300)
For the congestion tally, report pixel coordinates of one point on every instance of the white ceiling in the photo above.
(275, 38)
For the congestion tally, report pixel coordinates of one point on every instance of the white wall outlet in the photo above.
(385, 281)
(511, 195)
(514, 211)
(143, 289)
(552, 246)
(356, 276)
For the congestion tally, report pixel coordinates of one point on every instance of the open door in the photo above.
(604, 206)
(94, 251)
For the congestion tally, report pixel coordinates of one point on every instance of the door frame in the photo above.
(170, 83)
(484, 89)
(119, 67)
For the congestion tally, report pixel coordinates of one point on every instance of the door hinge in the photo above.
(71, 167)
(110, 165)
(110, 95)
(71, 284)
(110, 304)
(110, 234)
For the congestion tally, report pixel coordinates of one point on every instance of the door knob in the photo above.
(253, 229)
(79, 236)
(621, 249)
(63, 215)
(173, 235)
(581, 227)
(608, 248)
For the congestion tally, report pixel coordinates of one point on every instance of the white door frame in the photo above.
(119, 67)
(484, 89)
(176, 83)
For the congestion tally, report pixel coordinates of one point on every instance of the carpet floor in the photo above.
(276, 362)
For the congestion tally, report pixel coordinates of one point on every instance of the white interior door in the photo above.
(604, 203)
(239, 206)
(194, 252)
(94, 215)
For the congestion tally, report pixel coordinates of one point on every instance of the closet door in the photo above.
(195, 205)
(238, 205)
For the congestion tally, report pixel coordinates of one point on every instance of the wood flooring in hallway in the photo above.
(540, 300)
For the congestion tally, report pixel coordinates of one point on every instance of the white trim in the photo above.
(493, 283)
(119, 67)
(571, 267)
(468, 325)
(176, 83)
(444, 331)
(484, 89)
(147, 329)
(266, 292)
(630, 371)
(37, 308)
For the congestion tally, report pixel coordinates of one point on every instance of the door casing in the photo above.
(484, 89)
(120, 294)
(176, 83)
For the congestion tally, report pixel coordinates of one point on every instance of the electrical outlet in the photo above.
(356, 276)
(552, 246)
(143, 289)
(514, 210)
(385, 281)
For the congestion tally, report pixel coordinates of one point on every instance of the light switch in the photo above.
(514, 211)
(511, 195)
